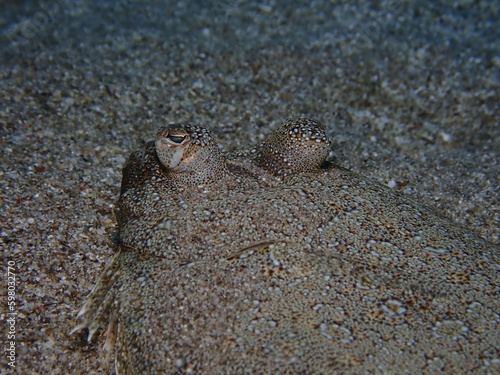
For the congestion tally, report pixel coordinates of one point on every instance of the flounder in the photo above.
(274, 260)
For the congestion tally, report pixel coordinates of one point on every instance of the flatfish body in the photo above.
(282, 263)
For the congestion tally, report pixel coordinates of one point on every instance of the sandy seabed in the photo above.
(409, 93)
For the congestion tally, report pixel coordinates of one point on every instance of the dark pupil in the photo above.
(177, 138)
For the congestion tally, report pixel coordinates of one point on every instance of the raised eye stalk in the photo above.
(300, 145)
(189, 154)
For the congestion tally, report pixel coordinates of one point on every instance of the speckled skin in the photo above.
(289, 267)
(298, 146)
(189, 155)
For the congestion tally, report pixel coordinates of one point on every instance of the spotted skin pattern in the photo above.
(298, 146)
(297, 266)
(189, 154)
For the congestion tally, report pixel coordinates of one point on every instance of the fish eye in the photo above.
(177, 139)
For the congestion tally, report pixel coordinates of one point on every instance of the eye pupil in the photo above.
(176, 138)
